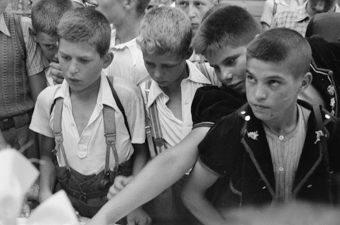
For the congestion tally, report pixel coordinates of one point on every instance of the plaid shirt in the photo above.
(296, 19)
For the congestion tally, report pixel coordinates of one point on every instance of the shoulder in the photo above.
(125, 89)
(211, 103)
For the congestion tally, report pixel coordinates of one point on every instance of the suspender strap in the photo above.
(110, 136)
(323, 140)
(58, 136)
(148, 125)
(155, 124)
(118, 102)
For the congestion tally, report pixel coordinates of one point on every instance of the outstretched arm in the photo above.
(193, 195)
(155, 177)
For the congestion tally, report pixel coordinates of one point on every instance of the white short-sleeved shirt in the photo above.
(173, 129)
(127, 62)
(86, 152)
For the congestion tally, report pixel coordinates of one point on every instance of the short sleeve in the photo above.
(36, 62)
(218, 150)
(41, 117)
(211, 103)
(267, 13)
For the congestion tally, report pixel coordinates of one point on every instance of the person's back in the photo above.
(128, 60)
(45, 18)
(89, 124)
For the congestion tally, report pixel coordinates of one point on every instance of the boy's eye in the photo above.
(229, 62)
(198, 4)
(273, 83)
(250, 78)
(183, 4)
(50, 46)
(84, 60)
(65, 57)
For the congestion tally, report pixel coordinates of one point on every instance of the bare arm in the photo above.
(155, 177)
(200, 179)
(141, 156)
(47, 171)
(37, 83)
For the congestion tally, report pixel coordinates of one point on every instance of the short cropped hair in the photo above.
(141, 6)
(46, 15)
(165, 31)
(86, 25)
(225, 25)
(280, 44)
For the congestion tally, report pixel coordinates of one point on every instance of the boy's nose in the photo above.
(191, 11)
(260, 94)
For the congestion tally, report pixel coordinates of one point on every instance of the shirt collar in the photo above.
(131, 45)
(302, 13)
(3, 26)
(194, 76)
(104, 94)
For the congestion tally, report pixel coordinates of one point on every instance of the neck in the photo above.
(175, 87)
(127, 31)
(284, 125)
(88, 93)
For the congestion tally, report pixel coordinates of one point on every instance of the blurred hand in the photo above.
(118, 185)
(138, 217)
(56, 73)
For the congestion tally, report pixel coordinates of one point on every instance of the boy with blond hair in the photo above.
(89, 124)
(209, 104)
(275, 149)
(164, 40)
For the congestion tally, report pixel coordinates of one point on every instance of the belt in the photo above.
(15, 121)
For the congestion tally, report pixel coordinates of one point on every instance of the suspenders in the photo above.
(109, 129)
(153, 124)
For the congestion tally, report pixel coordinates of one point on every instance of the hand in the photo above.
(138, 217)
(118, 185)
(56, 73)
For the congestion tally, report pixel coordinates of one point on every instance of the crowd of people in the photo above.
(174, 114)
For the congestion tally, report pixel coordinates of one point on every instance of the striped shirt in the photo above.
(286, 152)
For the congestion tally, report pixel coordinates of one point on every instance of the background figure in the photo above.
(299, 17)
(326, 25)
(272, 7)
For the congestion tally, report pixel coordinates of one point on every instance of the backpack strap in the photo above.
(323, 139)
(274, 8)
(154, 123)
(118, 102)
(17, 21)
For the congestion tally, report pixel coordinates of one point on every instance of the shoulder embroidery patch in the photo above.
(253, 135)
(318, 133)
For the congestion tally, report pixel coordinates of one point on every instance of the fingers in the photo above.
(119, 184)
(56, 73)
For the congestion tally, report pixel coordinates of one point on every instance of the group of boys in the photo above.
(91, 124)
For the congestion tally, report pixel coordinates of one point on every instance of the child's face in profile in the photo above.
(164, 69)
(195, 10)
(230, 66)
(271, 89)
(80, 63)
(48, 44)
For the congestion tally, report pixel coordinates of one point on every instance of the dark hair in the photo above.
(281, 44)
(46, 15)
(141, 6)
(86, 25)
(224, 25)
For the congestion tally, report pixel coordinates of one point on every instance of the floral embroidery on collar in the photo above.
(253, 135)
(318, 133)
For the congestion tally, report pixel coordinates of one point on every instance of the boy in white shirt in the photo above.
(82, 121)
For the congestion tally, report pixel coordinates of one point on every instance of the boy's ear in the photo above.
(306, 81)
(33, 34)
(128, 4)
(189, 53)
(108, 57)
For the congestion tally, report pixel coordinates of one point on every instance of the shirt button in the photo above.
(281, 169)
